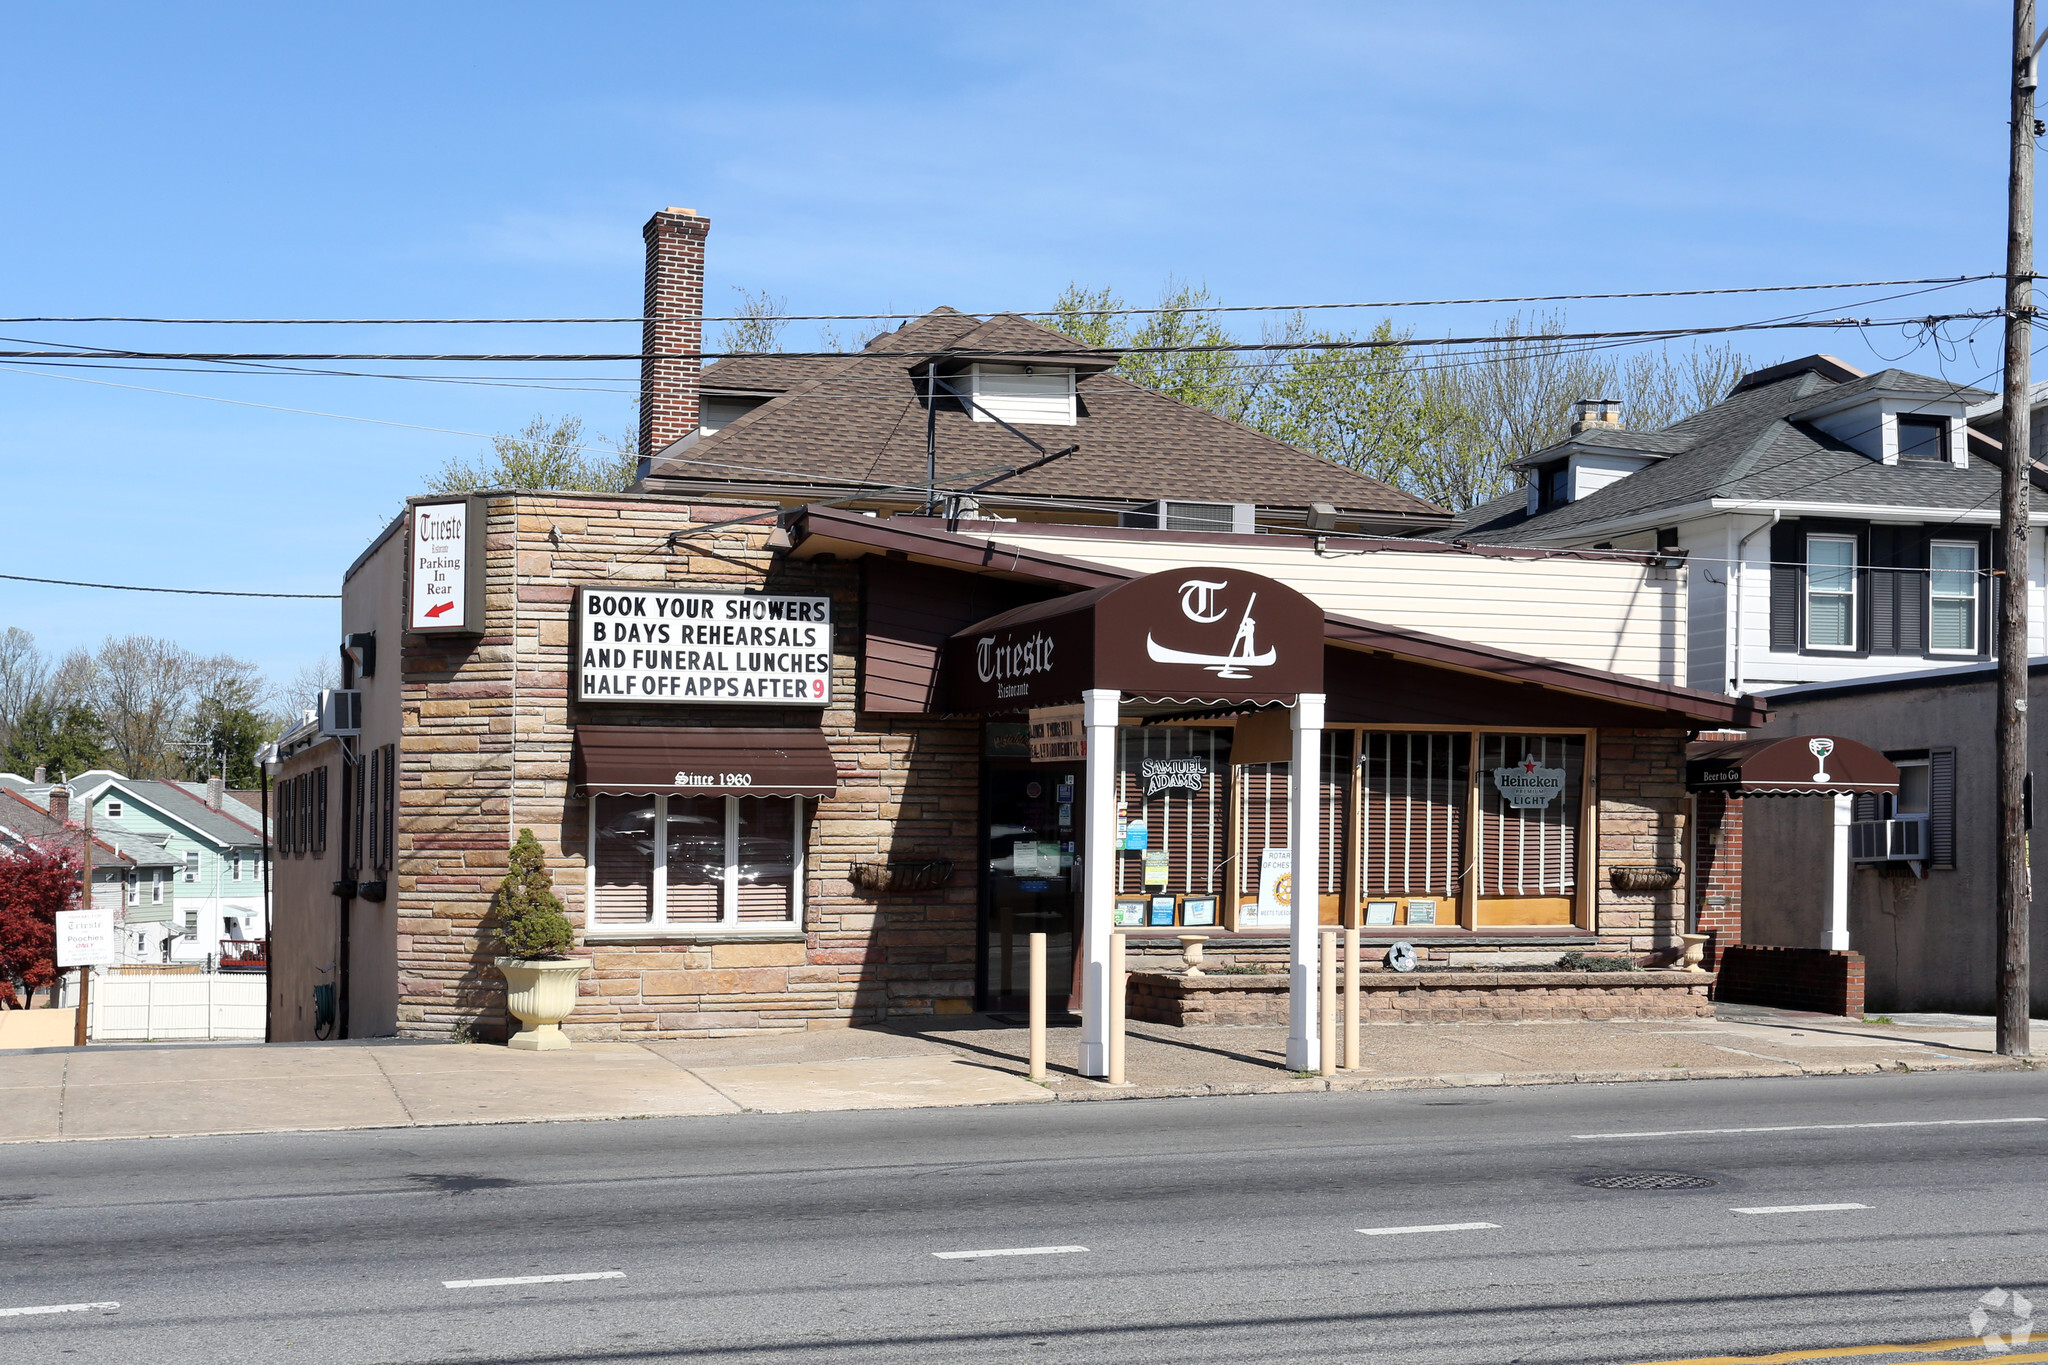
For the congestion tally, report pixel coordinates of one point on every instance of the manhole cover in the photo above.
(1647, 1180)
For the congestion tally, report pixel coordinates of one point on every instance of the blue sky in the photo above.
(448, 160)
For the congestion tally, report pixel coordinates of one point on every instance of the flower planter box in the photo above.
(1427, 997)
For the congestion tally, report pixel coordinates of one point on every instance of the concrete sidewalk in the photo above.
(176, 1090)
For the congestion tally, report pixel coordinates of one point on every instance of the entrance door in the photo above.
(1030, 880)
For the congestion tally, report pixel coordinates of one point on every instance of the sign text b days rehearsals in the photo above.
(720, 648)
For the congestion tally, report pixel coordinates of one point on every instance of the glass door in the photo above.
(1030, 880)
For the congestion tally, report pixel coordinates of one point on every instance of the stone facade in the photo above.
(488, 728)
(1432, 997)
(1642, 807)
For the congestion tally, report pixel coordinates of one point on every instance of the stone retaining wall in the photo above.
(1430, 997)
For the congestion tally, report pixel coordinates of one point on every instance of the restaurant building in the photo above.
(798, 764)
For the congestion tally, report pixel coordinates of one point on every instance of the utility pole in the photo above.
(2014, 882)
(78, 1028)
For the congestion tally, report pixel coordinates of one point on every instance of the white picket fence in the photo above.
(210, 1005)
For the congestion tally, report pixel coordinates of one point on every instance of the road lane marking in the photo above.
(1801, 1208)
(1427, 1227)
(1806, 1128)
(58, 1308)
(1833, 1352)
(1005, 1251)
(534, 1279)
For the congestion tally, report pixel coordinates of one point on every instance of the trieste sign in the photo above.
(85, 938)
(707, 648)
(444, 567)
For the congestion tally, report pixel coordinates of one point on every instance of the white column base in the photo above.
(1304, 829)
(1098, 876)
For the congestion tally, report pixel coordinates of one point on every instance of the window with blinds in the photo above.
(695, 862)
(1413, 792)
(1190, 825)
(1262, 808)
(1530, 852)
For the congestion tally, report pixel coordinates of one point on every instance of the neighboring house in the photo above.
(1837, 532)
(219, 853)
(1834, 524)
(132, 875)
(1924, 926)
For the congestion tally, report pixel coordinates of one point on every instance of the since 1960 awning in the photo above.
(659, 760)
(1796, 765)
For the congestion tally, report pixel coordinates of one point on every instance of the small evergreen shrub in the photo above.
(530, 919)
(1592, 962)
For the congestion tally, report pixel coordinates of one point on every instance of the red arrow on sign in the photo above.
(432, 612)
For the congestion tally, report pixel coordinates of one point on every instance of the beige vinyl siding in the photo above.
(1042, 399)
(1622, 617)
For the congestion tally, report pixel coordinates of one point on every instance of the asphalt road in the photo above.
(1219, 1230)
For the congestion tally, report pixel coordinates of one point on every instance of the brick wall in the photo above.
(906, 784)
(672, 325)
(1718, 857)
(1641, 793)
(1823, 980)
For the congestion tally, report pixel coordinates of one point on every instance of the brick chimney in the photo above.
(674, 326)
(216, 791)
(60, 804)
(1598, 413)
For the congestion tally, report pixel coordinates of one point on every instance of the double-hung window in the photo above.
(1952, 597)
(1830, 592)
(191, 864)
(687, 864)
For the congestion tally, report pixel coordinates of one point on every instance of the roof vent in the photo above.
(1230, 518)
(1603, 413)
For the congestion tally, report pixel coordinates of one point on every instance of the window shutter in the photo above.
(1910, 548)
(1887, 585)
(1788, 576)
(390, 841)
(320, 809)
(1941, 807)
(357, 802)
(1864, 806)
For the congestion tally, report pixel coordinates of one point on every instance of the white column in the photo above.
(1304, 825)
(1098, 875)
(1838, 898)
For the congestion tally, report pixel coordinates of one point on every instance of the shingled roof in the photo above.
(835, 425)
(1754, 447)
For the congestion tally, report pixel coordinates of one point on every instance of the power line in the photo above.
(1024, 313)
(185, 592)
(1038, 353)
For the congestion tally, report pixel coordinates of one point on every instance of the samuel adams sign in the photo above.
(1206, 634)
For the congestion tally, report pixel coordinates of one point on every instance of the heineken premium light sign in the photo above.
(1528, 785)
(707, 648)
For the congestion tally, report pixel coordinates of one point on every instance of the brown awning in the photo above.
(649, 760)
(1798, 765)
(1201, 635)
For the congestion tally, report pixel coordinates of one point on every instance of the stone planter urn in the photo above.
(540, 993)
(1191, 953)
(1695, 951)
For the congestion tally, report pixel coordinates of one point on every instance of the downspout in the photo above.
(1735, 647)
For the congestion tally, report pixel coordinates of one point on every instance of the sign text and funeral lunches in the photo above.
(705, 647)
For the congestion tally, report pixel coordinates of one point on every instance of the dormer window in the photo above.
(1923, 438)
(1555, 486)
(1027, 395)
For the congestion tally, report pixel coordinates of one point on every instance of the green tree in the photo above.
(228, 724)
(548, 453)
(62, 737)
(761, 320)
(530, 919)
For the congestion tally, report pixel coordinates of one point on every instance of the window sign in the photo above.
(1528, 785)
(1168, 774)
(704, 648)
(1057, 735)
(1275, 904)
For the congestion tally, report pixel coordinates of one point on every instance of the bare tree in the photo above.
(24, 672)
(761, 322)
(143, 690)
(302, 692)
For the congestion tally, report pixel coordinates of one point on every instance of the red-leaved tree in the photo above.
(35, 883)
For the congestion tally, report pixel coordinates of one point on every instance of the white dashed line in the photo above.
(1427, 1227)
(534, 1279)
(1806, 1128)
(1802, 1208)
(59, 1308)
(1006, 1251)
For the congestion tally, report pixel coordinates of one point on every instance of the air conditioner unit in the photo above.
(1167, 514)
(1888, 841)
(341, 711)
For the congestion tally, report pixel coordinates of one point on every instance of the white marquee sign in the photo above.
(707, 648)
